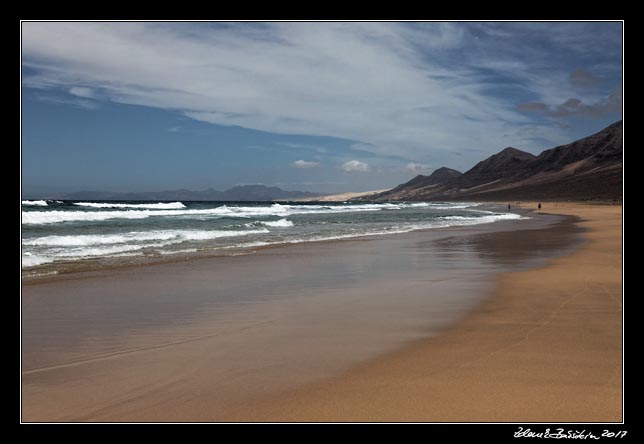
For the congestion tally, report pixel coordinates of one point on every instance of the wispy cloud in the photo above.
(355, 166)
(580, 78)
(305, 146)
(420, 91)
(417, 168)
(67, 100)
(304, 164)
(81, 91)
(575, 107)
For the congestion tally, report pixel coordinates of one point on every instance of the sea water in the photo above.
(57, 233)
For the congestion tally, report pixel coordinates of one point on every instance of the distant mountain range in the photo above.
(587, 169)
(238, 193)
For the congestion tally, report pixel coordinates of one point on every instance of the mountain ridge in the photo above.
(589, 168)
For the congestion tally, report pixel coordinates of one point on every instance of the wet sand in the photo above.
(310, 332)
(547, 347)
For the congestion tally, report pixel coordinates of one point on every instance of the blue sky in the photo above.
(325, 107)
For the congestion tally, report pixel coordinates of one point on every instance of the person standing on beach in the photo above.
(509, 206)
(539, 206)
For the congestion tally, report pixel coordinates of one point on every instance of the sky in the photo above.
(312, 106)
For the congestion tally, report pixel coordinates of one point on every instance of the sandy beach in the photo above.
(547, 347)
(340, 196)
(444, 325)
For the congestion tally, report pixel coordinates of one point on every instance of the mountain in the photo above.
(503, 165)
(587, 169)
(420, 185)
(601, 149)
(238, 193)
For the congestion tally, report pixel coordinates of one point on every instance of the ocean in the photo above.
(62, 235)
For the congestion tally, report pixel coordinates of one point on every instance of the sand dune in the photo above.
(341, 196)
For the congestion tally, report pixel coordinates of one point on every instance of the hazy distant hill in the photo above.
(238, 193)
(587, 169)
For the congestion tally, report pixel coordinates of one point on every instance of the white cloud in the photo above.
(355, 165)
(304, 164)
(304, 146)
(81, 91)
(381, 84)
(71, 101)
(417, 168)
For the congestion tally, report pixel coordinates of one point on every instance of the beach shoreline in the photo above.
(156, 375)
(545, 347)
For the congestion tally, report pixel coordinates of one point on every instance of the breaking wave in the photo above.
(154, 206)
(58, 216)
(92, 246)
(35, 203)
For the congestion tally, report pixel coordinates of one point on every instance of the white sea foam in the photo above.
(45, 249)
(187, 250)
(57, 216)
(93, 253)
(467, 220)
(282, 223)
(171, 236)
(153, 206)
(450, 206)
(35, 203)
(82, 252)
(93, 246)
(32, 260)
(448, 221)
